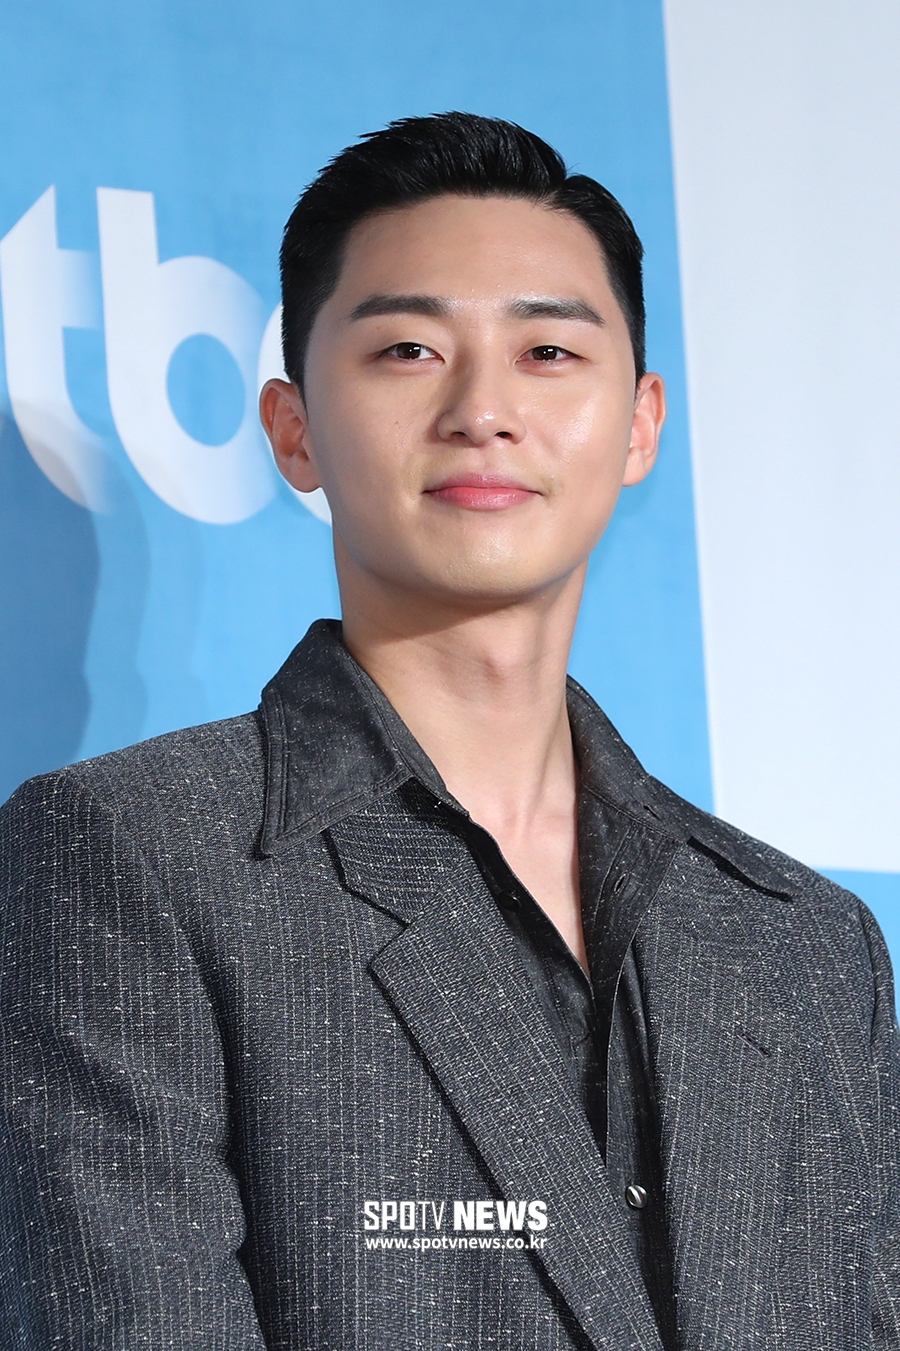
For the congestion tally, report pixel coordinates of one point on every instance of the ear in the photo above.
(646, 425)
(283, 415)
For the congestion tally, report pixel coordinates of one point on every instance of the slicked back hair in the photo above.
(419, 158)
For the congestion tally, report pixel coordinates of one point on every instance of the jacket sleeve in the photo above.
(886, 1053)
(120, 1220)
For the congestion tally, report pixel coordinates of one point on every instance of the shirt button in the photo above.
(508, 901)
(636, 1196)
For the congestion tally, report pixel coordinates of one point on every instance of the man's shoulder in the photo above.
(767, 868)
(791, 903)
(187, 770)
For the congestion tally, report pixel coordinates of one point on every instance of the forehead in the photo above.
(474, 247)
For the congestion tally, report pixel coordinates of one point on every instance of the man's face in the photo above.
(470, 402)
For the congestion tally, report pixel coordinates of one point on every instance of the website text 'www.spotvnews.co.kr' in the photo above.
(456, 1226)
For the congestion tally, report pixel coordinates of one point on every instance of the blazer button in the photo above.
(636, 1196)
(507, 901)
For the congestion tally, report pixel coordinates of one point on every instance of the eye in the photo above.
(547, 353)
(409, 351)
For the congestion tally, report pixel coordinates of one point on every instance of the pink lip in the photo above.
(481, 492)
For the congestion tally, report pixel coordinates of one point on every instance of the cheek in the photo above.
(591, 444)
(349, 444)
(367, 474)
(590, 465)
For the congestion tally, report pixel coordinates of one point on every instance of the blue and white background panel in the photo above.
(741, 619)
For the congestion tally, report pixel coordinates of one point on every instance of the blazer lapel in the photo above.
(454, 978)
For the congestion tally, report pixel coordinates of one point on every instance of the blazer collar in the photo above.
(331, 739)
(335, 745)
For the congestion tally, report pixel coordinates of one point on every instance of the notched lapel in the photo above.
(394, 859)
(454, 979)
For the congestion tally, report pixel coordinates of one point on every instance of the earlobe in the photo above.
(637, 466)
(282, 412)
(649, 416)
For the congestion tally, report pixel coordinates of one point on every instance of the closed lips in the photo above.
(486, 492)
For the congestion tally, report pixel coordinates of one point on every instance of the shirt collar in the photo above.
(334, 743)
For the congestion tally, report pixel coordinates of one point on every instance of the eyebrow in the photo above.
(551, 307)
(379, 303)
(433, 307)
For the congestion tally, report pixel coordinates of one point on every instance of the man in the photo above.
(411, 1012)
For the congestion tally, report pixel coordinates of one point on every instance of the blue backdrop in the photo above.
(130, 603)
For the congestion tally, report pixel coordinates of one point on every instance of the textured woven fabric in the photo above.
(249, 985)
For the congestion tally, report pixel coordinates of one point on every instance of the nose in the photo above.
(481, 406)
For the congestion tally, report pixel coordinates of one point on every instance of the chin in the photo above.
(478, 575)
(488, 587)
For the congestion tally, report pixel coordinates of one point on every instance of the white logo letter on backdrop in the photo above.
(150, 308)
(271, 368)
(47, 289)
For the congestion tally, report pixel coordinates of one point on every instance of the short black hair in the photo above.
(418, 158)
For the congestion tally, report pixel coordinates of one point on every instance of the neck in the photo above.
(484, 693)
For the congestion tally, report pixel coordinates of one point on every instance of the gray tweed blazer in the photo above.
(252, 1005)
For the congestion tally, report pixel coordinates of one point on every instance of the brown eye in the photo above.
(546, 353)
(409, 351)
